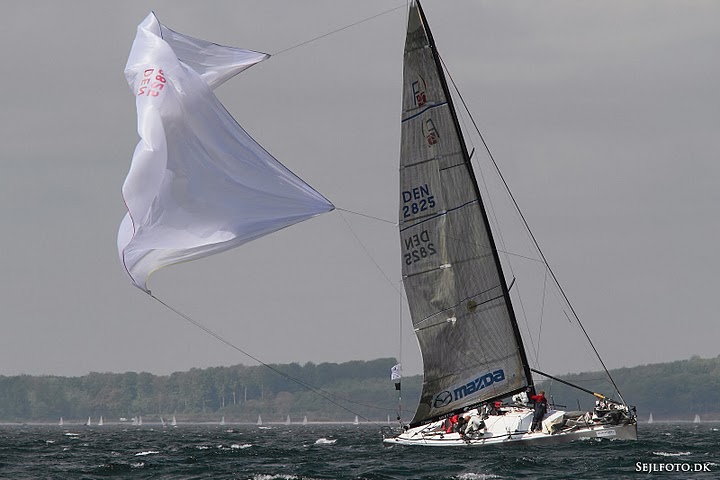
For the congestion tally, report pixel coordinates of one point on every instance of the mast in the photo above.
(471, 173)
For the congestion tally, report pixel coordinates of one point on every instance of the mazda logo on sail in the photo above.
(442, 399)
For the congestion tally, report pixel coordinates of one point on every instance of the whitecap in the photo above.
(275, 477)
(476, 476)
(137, 465)
(671, 454)
(235, 446)
(148, 452)
(203, 447)
(49, 441)
(325, 441)
(68, 434)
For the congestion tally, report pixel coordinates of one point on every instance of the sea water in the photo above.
(318, 451)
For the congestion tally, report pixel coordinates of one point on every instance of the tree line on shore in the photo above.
(676, 390)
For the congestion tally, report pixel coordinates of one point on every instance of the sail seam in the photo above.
(423, 111)
(444, 212)
(438, 158)
(449, 265)
(450, 308)
(458, 303)
(453, 166)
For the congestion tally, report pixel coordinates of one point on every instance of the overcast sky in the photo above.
(603, 116)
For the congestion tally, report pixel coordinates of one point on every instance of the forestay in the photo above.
(458, 300)
(198, 183)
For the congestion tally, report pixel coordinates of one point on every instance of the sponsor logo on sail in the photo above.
(430, 133)
(481, 382)
(418, 89)
(442, 399)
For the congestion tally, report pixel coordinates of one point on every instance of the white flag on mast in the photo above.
(396, 372)
(198, 183)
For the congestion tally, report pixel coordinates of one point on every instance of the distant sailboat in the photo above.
(174, 422)
(222, 421)
(356, 421)
(650, 420)
(287, 420)
(134, 421)
(259, 422)
(305, 420)
(139, 420)
(388, 418)
(162, 421)
(89, 422)
(697, 419)
(61, 422)
(101, 423)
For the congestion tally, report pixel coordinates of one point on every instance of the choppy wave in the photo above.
(477, 476)
(325, 441)
(147, 452)
(672, 454)
(314, 452)
(275, 477)
(236, 446)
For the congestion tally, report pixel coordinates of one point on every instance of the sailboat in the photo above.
(356, 421)
(697, 419)
(650, 420)
(287, 420)
(89, 422)
(259, 420)
(139, 421)
(162, 421)
(101, 423)
(462, 313)
(459, 300)
(305, 420)
(61, 422)
(174, 421)
(222, 421)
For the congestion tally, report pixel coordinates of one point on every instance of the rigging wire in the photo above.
(534, 240)
(400, 339)
(338, 30)
(367, 252)
(489, 202)
(542, 313)
(367, 216)
(318, 391)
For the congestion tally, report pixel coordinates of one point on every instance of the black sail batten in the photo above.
(470, 340)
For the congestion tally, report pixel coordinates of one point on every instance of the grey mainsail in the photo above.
(460, 307)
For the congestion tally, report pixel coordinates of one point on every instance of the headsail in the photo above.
(459, 303)
(198, 183)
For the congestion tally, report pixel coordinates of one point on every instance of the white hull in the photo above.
(511, 428)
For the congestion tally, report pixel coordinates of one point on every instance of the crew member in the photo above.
(540, 409)
(475, 423)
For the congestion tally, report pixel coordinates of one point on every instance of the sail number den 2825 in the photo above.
(417, 247)
(416, 200)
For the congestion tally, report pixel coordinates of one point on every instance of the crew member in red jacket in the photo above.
(452, 424)
(540, 409)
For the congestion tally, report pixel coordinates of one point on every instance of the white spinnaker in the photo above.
(198, 183)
